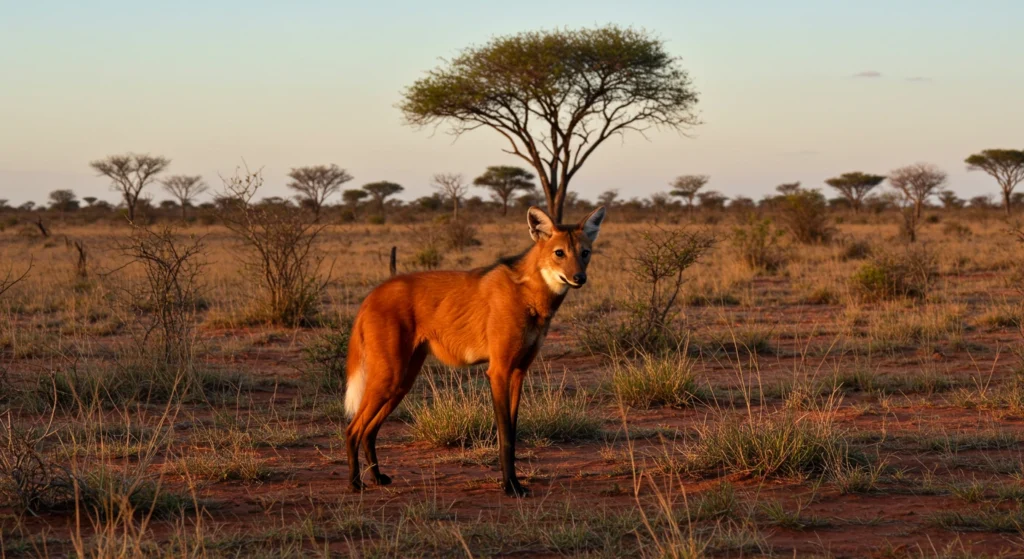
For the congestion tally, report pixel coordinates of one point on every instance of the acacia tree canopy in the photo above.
(317, 183)
(855, 186)
(503, 181)
(1005, 165)
(130, 174)
(556, 96)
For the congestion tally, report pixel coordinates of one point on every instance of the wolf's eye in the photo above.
(585, 253)
(560, 253)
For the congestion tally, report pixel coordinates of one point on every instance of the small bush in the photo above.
(805, 214)
(757, 243)
(657, 265)
(326, 356)
(30, 480)
(891, 276)
(281, 252)
(856, 250)
(957, 230)
(652, 381)
(429, 258)
(460, 234)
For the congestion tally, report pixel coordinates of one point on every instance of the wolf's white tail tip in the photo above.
(354, 392)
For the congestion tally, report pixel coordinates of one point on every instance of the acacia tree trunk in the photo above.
(1006, 200)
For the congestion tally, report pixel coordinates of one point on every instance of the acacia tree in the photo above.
(1004, 165)
(381, 191)
(712, 200)
(556, 96)
(63, 201)
(917, 183)
(855, 186)
(130, 174)
(950, 200)
(788, 188)
(608, 197)
(185, 188)
(352, 197)
(687, 187)
(315, 184)
(504, 181)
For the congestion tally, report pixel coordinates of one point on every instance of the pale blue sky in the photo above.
(285, 84)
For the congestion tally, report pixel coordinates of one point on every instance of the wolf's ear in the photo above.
(541, 225)
(591, 225)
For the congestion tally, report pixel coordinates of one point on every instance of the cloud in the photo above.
(868, 74)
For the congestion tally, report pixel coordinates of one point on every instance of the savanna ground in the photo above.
(804, 411)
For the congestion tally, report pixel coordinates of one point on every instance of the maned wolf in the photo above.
(497, 315)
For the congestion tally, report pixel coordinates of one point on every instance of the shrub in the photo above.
(957, 230)
(170, 294)
(460, 234)
(805, 214)
(856, 250)
(893, 276)
(326, 356)
(652, 381)
(429, 258)
(757, 243)
(657, 265)
(29, 479)
(281, 251)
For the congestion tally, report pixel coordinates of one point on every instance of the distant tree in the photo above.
(557, 95)
(607, 198)
(168, 205)
(381, 191)
(983, 202)
(917, 183)
(352, 197)
(950, 200)
(687, 187)
(316, 184)
(90, 200)
(185, 188)
(742, 203)
(712, 200)
(27, 206)
(1017, 199)
(855, 186)
(452, 186)
(3, 203)
(63, 201)
(504, 181)
(788, 188)
(1004, 165)
(130, 174)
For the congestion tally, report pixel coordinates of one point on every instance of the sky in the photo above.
(789, 90)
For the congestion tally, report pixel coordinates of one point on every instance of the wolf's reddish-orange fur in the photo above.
(499, 315)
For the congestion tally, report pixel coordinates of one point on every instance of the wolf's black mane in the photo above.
(507, 261)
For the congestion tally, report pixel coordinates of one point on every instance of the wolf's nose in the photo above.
(579, 279)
